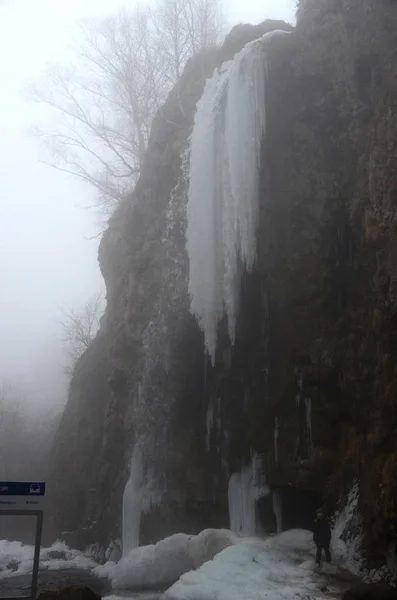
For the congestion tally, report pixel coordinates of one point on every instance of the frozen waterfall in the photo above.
(139, 498)
(245, 489)
(223, 196)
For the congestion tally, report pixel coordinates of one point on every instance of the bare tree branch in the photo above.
(79, 328)
(126, 66)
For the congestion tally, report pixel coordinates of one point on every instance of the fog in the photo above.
(48, 236)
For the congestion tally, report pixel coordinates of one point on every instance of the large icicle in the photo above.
(139, 498)
(245, 488)
(223, 197)
(278, 510)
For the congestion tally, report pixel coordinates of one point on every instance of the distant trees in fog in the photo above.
(105, 104)
(79, 327)
(26, 435)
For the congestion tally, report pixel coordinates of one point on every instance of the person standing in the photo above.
(322, 537)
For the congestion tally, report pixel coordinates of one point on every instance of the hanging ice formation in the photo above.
(223, 195)
(308, 406)
(139, 498)
(276, 434)
(245, 489)
(278, 510)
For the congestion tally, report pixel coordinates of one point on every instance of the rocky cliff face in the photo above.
(311, 380)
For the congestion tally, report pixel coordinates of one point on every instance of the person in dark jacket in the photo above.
(322, 537)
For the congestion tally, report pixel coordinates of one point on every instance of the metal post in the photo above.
(37, 546)
(36, 560)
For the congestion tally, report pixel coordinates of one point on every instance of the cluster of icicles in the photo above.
(223, 196)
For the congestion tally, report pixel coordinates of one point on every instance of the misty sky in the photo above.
(47, 259)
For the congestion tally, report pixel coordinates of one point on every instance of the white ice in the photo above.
(139, 498)
(245, 489)
(20, 556)
(280, 567)
(278, 510)
(161, 564)
(223, 199)
(347, 522)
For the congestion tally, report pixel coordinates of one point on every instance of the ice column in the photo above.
(276, 434)
(139, 498)
(308, 406)
(245, 489)
(223, 199)
(132, 503)
(278, 510)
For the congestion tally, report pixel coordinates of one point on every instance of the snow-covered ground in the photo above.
(216, 565)
(280, 567)
(161, 564)
(17, 559)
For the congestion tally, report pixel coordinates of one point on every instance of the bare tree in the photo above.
(183, 28)
(127, 64)
(11, 424)
(79, 328)
(26, 434)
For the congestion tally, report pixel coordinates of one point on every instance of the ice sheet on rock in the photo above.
(348, 525)
(20, 556)
(281, 567)
(161, 564)
(223, 197)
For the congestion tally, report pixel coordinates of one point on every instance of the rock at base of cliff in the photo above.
(70, 593)
(371, 591)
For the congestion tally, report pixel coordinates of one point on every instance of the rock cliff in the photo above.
(309, 383)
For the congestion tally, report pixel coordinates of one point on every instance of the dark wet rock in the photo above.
(70, 593)
(19, 585)
(371, 591)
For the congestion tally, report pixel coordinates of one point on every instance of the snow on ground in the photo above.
(280, 567)
(161, 564)
(17, 559)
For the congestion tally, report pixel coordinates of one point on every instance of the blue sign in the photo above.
(18, 488)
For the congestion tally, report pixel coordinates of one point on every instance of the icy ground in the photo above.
(281, 567)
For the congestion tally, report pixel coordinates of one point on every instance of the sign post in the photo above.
(25, 498)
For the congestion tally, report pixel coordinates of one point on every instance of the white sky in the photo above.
(46, 258)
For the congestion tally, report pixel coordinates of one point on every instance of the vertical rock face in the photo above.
(310, 382)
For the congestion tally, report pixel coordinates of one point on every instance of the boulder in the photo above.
(371, 591)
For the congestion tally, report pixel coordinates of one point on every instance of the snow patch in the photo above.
(17, 559)
(223, 199)
(161, 564)
(282, 566)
